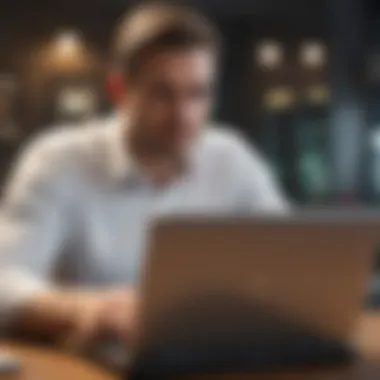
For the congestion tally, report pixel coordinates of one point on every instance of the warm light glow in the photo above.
(7, 83)
(270, 55)
(313, 54)
(76, 101)
(319, 94)
(67, 52)
(279, 98)
(68, 42)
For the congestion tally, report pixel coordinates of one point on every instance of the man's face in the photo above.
(170, 98)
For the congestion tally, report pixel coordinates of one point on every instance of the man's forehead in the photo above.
(180, 65)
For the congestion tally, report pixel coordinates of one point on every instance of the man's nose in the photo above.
(183, 111)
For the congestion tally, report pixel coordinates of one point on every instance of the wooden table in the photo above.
(47, 364)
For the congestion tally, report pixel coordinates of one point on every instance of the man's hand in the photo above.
(77, 318)
(109, 314)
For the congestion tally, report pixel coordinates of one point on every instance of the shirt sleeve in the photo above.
(32, 228)
(258, 190)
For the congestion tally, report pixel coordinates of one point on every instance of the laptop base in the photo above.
(168, 363)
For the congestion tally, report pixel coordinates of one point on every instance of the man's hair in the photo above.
(155, 27)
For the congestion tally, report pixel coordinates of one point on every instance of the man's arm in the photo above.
(33, 227)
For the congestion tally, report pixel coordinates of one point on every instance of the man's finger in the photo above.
(120, 320)
(85, 329)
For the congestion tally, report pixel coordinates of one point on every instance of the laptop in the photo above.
(222, 294)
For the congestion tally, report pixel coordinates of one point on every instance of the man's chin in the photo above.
(178, 146)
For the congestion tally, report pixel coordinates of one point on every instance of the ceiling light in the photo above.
(319, 94)
(279, 98)
(270, 55)
(313, 54)
(68, 42)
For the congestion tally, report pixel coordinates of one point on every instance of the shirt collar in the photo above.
(122, 165)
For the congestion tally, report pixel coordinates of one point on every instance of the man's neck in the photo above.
(159, 166)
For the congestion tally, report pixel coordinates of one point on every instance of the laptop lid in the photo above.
(220, 290)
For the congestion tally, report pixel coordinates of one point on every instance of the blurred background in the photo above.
(300, 78)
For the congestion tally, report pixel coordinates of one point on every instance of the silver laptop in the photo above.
(237, 294)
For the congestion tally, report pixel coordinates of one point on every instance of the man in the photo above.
(77, 210)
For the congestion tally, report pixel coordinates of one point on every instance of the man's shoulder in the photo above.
(228, 146)
(223, 138)
(67, 143)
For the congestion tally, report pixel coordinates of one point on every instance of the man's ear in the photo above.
(116, 87)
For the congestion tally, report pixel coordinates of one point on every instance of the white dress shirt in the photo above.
(77, 210)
